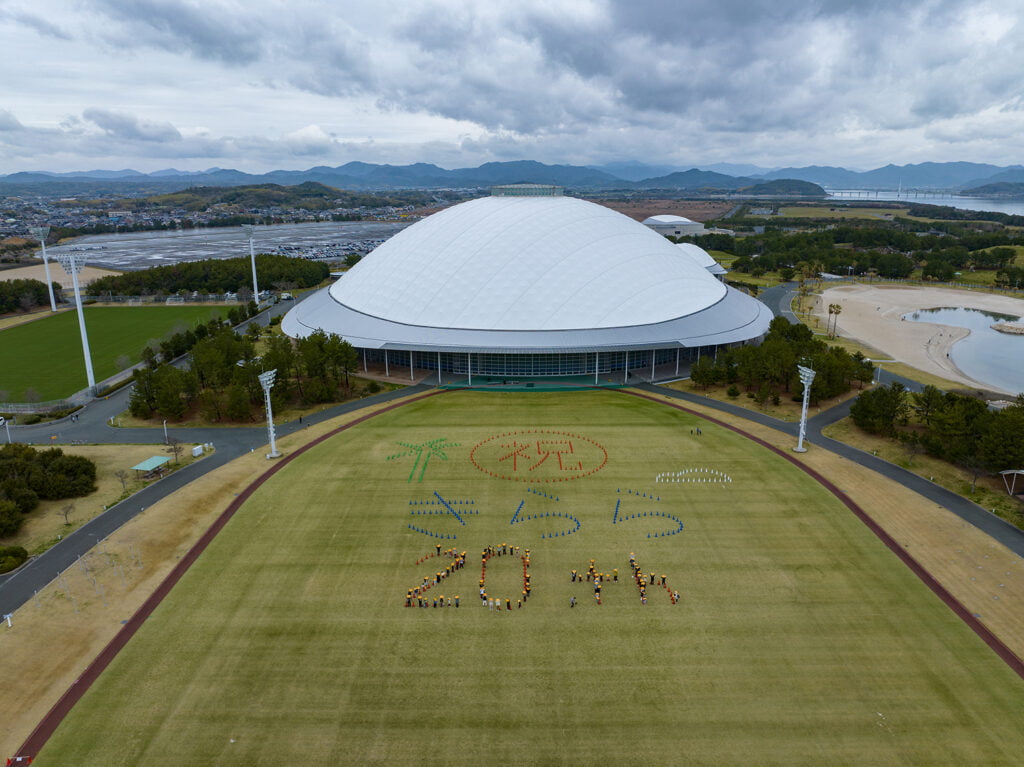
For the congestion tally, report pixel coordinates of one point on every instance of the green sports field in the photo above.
(798, 638)
(46, 355)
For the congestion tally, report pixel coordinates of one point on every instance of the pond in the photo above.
(986, 355)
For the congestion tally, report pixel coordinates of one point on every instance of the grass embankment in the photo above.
(987, 491)
(798, 634)
(45, 356)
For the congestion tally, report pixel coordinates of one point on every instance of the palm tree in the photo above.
(835, 323)
(434, 447)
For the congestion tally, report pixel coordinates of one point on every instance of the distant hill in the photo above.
(695, 179)
(785, 187)
(999, 189)
(307, 196)
(363, 176)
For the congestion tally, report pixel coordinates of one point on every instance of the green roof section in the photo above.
(151, 463)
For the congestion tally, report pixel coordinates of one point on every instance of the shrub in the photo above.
(373, 387)
(11, 557)
(31, 419)
(733, 391)
(10, 518)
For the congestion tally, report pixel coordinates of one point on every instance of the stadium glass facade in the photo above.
(531, 365)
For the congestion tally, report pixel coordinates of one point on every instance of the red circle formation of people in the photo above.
(541, 436)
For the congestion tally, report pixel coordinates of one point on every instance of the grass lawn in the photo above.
(45, 523)
(46, 355)
(799, 638)
(832, 210)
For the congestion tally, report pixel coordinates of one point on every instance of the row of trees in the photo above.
(25, 295)
(28, 475)
(769, 370)
(222, 381)
(883, 248)
(215, 276)
(953, 427)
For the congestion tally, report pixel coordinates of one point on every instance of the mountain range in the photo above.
(954, 176)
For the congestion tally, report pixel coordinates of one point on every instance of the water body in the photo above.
(986, 355)
(141, 250)
(1013, 207)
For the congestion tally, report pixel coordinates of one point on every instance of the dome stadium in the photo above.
(528, 282)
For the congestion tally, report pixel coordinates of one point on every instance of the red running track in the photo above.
(1008, 656)
(37, 739)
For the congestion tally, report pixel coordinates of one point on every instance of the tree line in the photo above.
(946, 425)
(28, 475)
(222, 380)
(214, 276)
(769, 370)
(25, 295)
(884, 248)
(956, 428)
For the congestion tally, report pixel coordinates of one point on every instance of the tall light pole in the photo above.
(247, 228)
(41, 233)
(267, 381)
(806, 378)
(73, 265)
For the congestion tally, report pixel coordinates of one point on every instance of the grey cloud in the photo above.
(36, 23)
(8, 122)
(208, 30)
(125, 126)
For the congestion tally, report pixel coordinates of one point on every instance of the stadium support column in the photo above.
(654, 356)
(365, 368)
(73, 265)
(412, 377)
(41, 233)
(625, 372)
(677, 362)
(597, 365)
(387, 370)
(469, 366)
(806, 378)
(439, 368)
(267, 381)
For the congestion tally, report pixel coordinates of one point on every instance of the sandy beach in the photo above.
(872, 315)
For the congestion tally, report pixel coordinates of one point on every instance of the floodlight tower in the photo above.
(267, 381)
(73, 265)
(806, 378)
(41, 233)
(247, 228)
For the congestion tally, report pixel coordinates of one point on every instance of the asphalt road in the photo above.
(93, 426)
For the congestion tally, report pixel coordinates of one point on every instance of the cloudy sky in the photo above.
(264, 84)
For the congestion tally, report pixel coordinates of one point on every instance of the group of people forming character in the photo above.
(639, 577)
(417, 596)
(504, 549)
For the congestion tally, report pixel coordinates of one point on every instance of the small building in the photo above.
(674, 226)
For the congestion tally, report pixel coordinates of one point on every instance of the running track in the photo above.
(37, 739)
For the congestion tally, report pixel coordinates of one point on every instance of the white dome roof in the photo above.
(667, 220)
(527, 263)
(700, 256)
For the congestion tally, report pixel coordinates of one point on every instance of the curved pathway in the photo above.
(18, 587)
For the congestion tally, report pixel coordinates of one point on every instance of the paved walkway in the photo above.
(93, 427)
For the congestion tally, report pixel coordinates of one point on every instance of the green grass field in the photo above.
(799, 639)
(46, 355)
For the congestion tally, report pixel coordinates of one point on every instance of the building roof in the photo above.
(701, 257)
(527, 263)
(151, 463)
(667, 221)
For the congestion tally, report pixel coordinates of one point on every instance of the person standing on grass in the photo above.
(572, 601)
